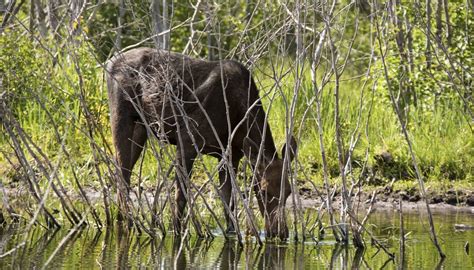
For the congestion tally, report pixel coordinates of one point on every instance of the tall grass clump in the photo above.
(441, 136)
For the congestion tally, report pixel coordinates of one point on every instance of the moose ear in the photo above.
(251, 149)
(291, 150)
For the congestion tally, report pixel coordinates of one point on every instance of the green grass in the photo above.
(441, 138)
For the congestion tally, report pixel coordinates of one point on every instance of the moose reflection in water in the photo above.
(200, 253)
(123, 248)
(202, 107)
(229, 254)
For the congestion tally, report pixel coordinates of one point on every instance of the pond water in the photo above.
(91, 249)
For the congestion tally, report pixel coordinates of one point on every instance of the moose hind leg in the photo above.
(138, 143)
(122, 133)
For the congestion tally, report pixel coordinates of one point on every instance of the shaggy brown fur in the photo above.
(202, 107)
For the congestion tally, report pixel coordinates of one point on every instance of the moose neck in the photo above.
(259, 132)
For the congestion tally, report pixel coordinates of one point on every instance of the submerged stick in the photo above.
(64, 241)
(374, 240)
(402, 235)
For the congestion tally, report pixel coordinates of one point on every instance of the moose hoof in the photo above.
(230, 230)
(282, 234)
(177, 227)
(124, 221)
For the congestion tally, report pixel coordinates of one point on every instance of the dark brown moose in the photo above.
(202, 107)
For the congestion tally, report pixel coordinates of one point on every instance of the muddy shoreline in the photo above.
(391, 204)
(447, 202)
(387, 200)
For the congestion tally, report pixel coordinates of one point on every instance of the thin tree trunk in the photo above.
(31, 20)
(439, 22)
(166, 24)
(53, 15)
(298, 32)
(118, 38)
(157, 23)
(404, 71)
(211, 46)
(428, 34)
(40, 18)
(399, 37)
(409, 34)
(158, 9)
(411, 65)
(448, 23)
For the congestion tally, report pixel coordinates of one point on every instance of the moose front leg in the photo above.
(184, 164)
(225, 179)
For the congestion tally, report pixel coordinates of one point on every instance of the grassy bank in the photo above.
(442, 137)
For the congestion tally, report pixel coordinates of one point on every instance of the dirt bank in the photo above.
(385, 200)
(388, 200)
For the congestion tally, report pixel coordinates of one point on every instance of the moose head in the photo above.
(272, 187)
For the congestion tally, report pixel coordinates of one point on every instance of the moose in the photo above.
(202, 107)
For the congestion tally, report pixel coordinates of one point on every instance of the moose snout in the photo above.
(278, 232)
(275, 223)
